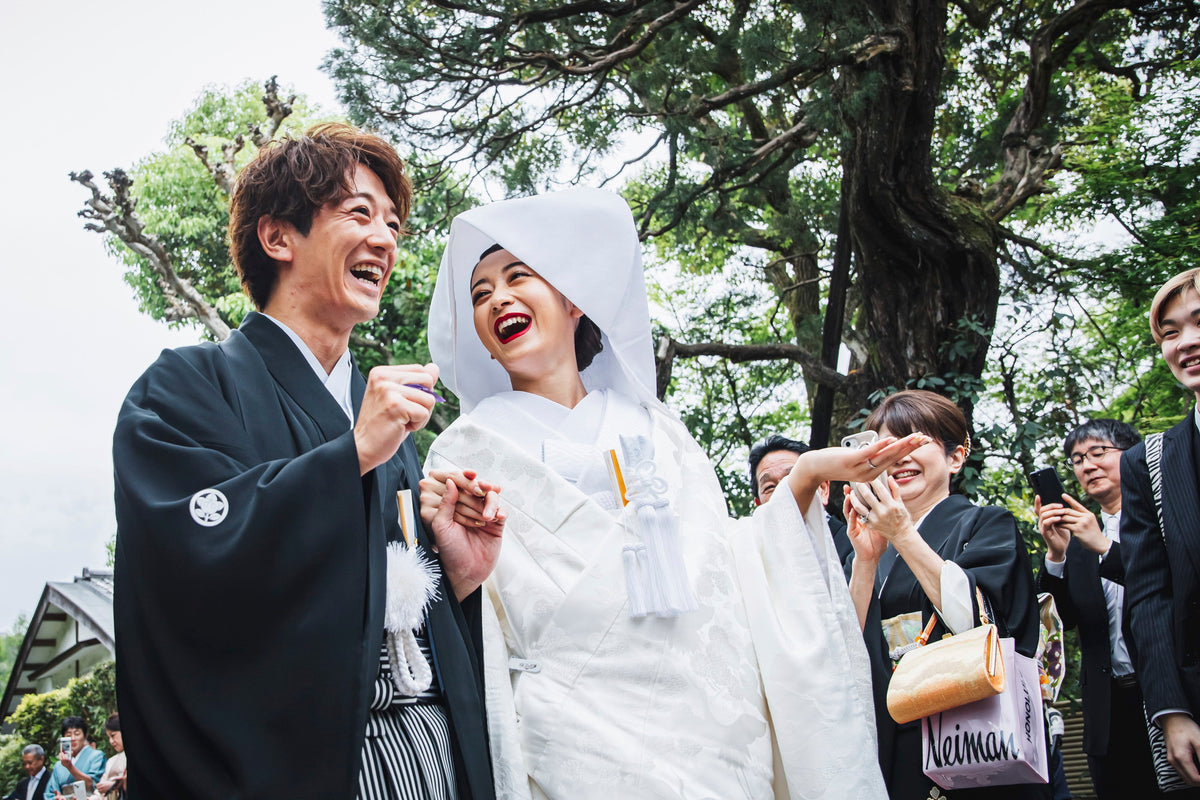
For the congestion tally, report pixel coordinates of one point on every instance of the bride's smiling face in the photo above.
(523, 321)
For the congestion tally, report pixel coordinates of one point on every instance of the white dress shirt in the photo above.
(31, 787)
(1114, 598)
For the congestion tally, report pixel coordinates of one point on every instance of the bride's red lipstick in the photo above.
(500, 323)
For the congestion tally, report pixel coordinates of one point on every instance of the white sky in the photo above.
(94, 86)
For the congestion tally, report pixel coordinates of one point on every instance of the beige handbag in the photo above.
(959, 669)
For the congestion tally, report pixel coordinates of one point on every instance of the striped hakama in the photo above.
(407, 754)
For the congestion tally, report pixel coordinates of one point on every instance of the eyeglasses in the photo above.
(1092, 454)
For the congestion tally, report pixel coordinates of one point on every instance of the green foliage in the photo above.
(38, 719)
(179, 202)
(10, 761)
(727, 407)
(10, 644)
(531, 103)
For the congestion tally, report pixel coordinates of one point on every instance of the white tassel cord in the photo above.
(410, 669)
(664, 585)
(634, 556)
(411, 587)
(660, 532)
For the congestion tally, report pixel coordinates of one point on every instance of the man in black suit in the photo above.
(1084, 572)
(33, 760)
(1162, 540)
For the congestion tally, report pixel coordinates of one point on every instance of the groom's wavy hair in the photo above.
(588, 339)
(293, 179)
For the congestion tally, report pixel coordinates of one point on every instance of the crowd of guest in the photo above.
(904, 548)
(628, 639)
(81, 768)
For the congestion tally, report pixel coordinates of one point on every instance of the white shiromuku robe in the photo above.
(762, 692)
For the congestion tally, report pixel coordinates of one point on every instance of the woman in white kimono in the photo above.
(642, 644)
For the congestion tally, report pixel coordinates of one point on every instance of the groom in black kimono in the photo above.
(256, 492)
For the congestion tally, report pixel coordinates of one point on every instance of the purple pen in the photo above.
(437, 397)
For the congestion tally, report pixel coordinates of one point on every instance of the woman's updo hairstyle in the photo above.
(920, 411)
(588, 340)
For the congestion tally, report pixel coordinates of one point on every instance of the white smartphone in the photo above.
(857, 441)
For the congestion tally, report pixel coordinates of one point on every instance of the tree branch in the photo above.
(277, 111)
(814, 370)
(222, 171)
(367, 343)
(1028, 161)
(117, 215)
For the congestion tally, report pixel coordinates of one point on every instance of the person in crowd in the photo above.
(264, 473)
(641, 635)
(33, 785)
(1084, 572)
(111, 785)
(770, 461)
(1160, 540)
(921, 550)
(81, 763)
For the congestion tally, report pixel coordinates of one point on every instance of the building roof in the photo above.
(69, 634)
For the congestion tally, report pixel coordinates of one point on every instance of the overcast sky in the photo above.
(94, 86)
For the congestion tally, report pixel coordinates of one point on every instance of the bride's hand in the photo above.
(468, 544)
(477, 505)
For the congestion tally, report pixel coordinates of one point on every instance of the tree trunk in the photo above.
(926, 259)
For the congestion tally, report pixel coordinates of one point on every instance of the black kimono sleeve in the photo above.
(995, 559)
(241, 588)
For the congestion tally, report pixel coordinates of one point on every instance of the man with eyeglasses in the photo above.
(1084, 572)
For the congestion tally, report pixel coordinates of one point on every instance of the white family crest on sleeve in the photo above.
(209, 507)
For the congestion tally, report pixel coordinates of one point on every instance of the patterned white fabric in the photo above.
(764, 692)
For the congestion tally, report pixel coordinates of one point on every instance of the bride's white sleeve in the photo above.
(810, 650)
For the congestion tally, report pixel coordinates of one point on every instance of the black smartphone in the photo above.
(1047, 485)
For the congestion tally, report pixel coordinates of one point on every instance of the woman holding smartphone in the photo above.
(921, 550)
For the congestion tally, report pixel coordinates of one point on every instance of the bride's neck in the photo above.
(564, 387)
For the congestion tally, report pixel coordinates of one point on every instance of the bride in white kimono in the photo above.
(639, 643)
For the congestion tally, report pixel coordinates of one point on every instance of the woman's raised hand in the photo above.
(858, 465)
(868, 545)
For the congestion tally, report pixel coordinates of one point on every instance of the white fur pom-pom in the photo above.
(411, 586)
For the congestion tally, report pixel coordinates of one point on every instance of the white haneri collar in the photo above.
(337, 381)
